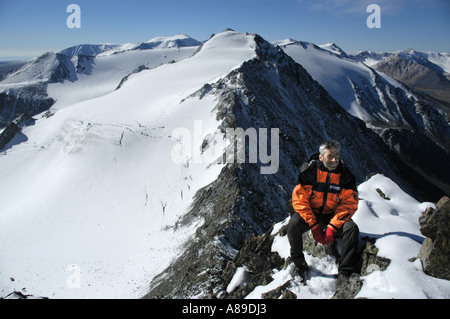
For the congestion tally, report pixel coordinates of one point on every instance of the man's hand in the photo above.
(329, 236)
(319, 236)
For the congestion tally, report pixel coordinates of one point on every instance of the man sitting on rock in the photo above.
(325, 200)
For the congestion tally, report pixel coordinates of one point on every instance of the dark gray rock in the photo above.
(370, 261)
(350, 288)
(8, 134)
(280, 291)
(435, 250)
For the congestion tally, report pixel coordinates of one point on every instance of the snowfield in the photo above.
(92, 191)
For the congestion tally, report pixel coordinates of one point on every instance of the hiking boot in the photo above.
(301, 269)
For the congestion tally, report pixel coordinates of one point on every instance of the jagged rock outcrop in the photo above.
(370, 261)
(14, 128)
(8, 134)
(31, 100)
(259, 261)
(435, 251)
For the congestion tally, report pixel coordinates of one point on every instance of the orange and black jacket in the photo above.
(320, 191)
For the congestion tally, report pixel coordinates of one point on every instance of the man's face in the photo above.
(330, 159)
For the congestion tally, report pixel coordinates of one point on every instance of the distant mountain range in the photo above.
(428, 72)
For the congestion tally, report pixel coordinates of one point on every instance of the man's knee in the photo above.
(350, 226)
(296, 227)
(297, 224)
(350, 229)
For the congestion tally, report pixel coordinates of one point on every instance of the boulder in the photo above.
(259, 260)
(370, 261)
(435, 251)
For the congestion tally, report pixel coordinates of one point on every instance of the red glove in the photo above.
(319, 236)
(329, 236)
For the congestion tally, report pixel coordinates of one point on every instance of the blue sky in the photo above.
(30, 28)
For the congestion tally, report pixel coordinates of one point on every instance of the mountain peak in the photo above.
(333, 48)
(285, 42)
(178, 40)
(89, 49)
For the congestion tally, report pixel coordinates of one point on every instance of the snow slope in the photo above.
(395, 224)
(440, 59)
(93, 195)
(97, 70)
(177, 41)
(104, 73)
(342, 77)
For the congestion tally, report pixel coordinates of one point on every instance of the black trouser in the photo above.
(349, 233)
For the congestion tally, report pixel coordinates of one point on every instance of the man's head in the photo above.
(329, 154)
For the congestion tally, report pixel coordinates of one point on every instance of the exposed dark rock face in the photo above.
(30, 100)
(8, 134)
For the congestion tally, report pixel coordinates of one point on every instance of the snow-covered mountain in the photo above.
(105, 193)
(9, 66)
(428, 72)
(398, 115)
(102, 198)
(435, 60)
(83, 72)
